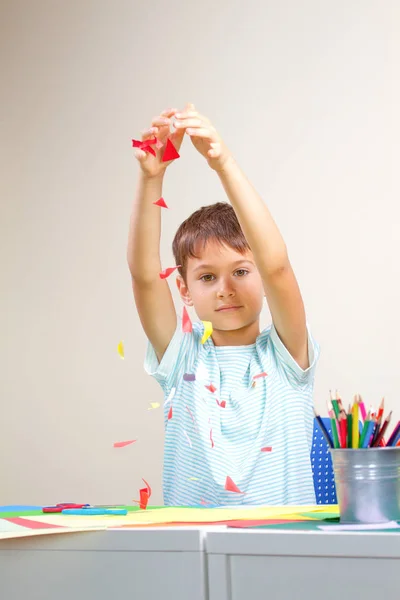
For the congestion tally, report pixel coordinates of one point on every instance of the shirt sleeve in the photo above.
(174, 363)
(295, 374)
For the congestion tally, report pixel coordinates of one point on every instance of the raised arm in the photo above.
(152, 295)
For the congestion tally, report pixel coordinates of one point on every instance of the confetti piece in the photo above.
(188, 438)
(189, 377)
(170, 396)
(167, 272)
(145, 494)
(211, 388)
(222, 404)
(266, 449)
(120, 349)
(123, 444)
(211, 438)
(145, 144)
(170, 413)
(154, 405)
(263, 374)
(186, 322)
(170, 152)
(230, 486)
(161, 202)
(159, 144)
(208, 329)
(193, 479)
(190, 413)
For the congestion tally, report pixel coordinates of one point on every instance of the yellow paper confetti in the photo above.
(208, 329)
(193, 479)
(154, 405)
(121, 351)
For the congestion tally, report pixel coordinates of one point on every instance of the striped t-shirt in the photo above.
(243, 412)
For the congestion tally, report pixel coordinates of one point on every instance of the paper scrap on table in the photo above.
(145, 494)
(189, 377)
(170, 413)
(211, 388)
(360, 526)
(222, 404)
(266, 449)
(186, 322)
(154, 405)
(208, 329)
(170, 152)
(161, 202)
(230, 486)
(123, 444)
(167, 272)
(121, 350)
(170, 396)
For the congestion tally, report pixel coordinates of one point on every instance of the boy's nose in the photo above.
(225, 289)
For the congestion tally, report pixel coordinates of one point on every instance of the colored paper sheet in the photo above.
(161, 202)
(231, 486)
(123, 444)
(170, 152)
(208, 329)
(186, 322)
(121, 350)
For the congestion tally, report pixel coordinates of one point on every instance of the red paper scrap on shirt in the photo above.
(211, 388)
(170, 412)
(266, 449)
(230, 486)
(222, 404)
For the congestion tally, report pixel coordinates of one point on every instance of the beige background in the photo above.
(306, 94)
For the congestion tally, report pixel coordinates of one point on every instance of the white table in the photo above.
(312, 565)
(141, 564)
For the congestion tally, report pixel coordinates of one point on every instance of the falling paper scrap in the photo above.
(211, 388)
(170, 152)
(208, 329)
(161, 202)
(154, 405)
(230, 486)
(167, 272)
(121, 351)
(123, 444)
(189, 377)
(186, 322)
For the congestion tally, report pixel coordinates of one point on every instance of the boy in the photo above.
(238, 411)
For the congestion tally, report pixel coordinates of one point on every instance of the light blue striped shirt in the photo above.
(214, 434)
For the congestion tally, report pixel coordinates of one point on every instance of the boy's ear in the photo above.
(184, 291)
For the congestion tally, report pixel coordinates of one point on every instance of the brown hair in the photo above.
(217, 222)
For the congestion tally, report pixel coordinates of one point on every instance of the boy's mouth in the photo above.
(226, 308)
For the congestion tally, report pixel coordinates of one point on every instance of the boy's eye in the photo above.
(206, 277)
(241, 272)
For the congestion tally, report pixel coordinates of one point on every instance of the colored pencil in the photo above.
(393, 438)
(362, 408)
(365, 428)
(349, 429)
(334, 429)
(383, 430)
(343, 429)
(368, 435)
(324, 430)
(381, 409)
(355, 432)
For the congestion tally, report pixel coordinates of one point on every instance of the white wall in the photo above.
(306, 94)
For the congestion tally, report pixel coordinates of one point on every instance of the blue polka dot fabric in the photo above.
(321, 463)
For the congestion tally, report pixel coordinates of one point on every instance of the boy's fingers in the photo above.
(168, 112)
(148, 133)
(183, 123)
(202, 132)
(160, 121)
(140, 155)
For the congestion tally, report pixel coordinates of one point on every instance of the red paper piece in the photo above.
(161, 202)
(211, 388)
(170, 152)
(186, 322)
(149, 149)
(211, 438)
(222, 404)
(145, 145)
(170, 412)
(266, 449)
(230, 486)
(159, 144)
(122, 444)
(263, 374)
(145, 494)
(167, 272)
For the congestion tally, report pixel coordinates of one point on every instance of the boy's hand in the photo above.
(153, 166)
(204, 136)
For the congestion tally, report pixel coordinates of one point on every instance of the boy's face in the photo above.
(224, 286)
